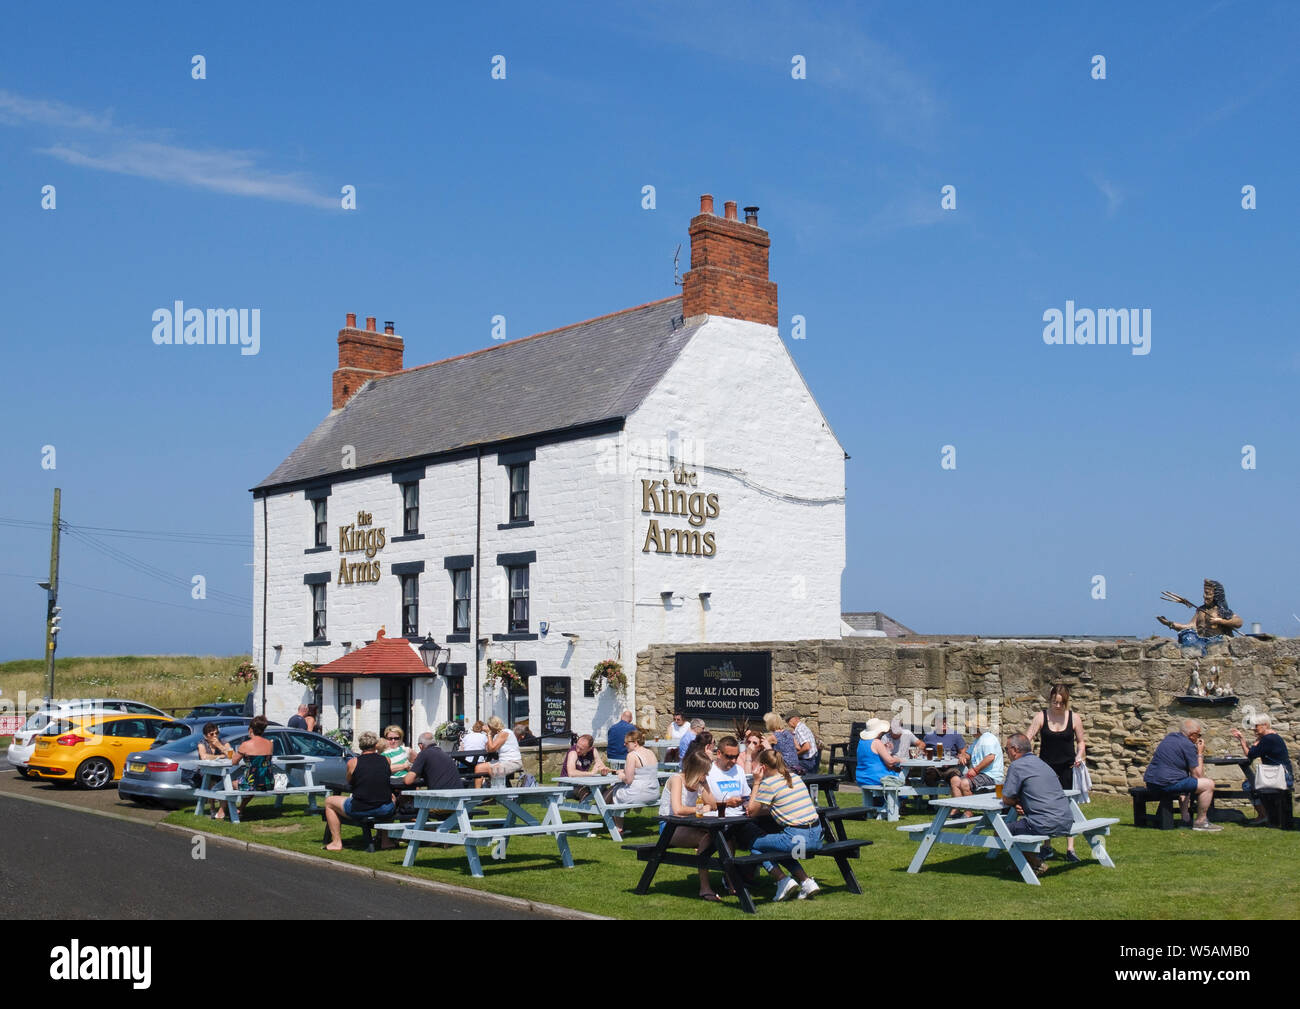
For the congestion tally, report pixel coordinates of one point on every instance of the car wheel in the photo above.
(23, 772)
(94, 773)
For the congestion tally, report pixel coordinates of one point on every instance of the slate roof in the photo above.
(382, 657)
(877, 621)
(593, 371)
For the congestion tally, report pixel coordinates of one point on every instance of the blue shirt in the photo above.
(1037, 789)
(871, 767)
(986, 744)
(952, 742)
(615, 748)
(684, 742)
(1175, 759)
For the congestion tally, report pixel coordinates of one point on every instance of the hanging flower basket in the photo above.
(608, 672)
(504, 672)
(245, 674)
(300, 672)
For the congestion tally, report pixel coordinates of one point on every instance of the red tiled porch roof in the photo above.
(382, 657)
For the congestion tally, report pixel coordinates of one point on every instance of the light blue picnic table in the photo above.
(595, 803)
(458, 827)
(994, 817)
(216, 784)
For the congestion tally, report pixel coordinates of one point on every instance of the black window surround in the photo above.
(320, 522)
(319, 550)
(525, 524)
(517, 484)
(456, 639)
(409, 474)
(315, 644)
(315, 493)
(316, 578)
(518, 559)
(409, 568)
(458, 562)
(461, 596)
(454, 670)
(515, 636)
(517, 616)
(518, 456)
(402, 539)
(410, 507)
(410, 599)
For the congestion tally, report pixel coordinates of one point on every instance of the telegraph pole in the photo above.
(52, 609)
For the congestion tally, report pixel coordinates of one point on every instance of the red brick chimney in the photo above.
(364, 354)
(728, 275)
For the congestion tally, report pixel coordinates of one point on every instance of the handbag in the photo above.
(1270, 776)
(281, 780)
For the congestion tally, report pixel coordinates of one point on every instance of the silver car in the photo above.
(166, 774)
(24, 740)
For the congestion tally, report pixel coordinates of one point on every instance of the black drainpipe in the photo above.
(478, 573)
(265, 533)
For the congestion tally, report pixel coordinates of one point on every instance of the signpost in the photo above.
(718, 686)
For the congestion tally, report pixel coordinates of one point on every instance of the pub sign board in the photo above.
(555, 706)
(721, 686)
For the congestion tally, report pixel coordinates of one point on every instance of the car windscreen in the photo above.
(171, 732)
(36, 721)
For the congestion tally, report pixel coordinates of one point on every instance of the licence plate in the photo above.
(136, 766)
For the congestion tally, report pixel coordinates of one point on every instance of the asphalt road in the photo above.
(58, 863)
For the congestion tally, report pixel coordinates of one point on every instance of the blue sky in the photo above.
(522, 197)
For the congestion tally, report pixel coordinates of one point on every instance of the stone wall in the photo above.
(1124, 690)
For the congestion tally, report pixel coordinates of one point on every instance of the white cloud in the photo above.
(1114, 195)
(101, 145)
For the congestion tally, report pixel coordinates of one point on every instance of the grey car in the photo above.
(166, 774)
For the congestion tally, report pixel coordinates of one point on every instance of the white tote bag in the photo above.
(1083, 782)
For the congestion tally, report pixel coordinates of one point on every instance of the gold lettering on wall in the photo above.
(356, 538)
(659, 497)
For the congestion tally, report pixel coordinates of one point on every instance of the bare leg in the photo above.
(1204, 796)
(333, 810)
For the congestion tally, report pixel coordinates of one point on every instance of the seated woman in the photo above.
(877, 764)
(639, 777)
(255, 752)
(781, 739)
(398, 754)
(1271, 750)
(510, 759)
(212, 748)
(785, 797)
(681, 794)
(372, 792)
(753, 746)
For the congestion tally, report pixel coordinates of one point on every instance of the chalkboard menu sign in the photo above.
(555, 706)
(719, 686)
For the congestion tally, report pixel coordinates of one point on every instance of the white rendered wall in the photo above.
(748, 427)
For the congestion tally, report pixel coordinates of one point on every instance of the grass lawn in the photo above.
(1238, 873)
(165, 681)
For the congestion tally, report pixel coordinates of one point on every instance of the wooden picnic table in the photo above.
(216, 784)
(994, 818)
(457, 827)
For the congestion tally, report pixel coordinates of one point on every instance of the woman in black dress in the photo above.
(1063, 747)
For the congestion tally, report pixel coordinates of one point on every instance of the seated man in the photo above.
(432, 767)
(1035, 790)
(615, 747)
(805, 744)
(900, 739)
(1178, 766)
(1211, 621)
(953, 746)
(981, 768)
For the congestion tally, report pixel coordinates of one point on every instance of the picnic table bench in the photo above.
(460, 827)
(893, 794)
(832, 814)
(721, 855)
(595, 803)
(994, 817)
(1278, 804)
(214, 771)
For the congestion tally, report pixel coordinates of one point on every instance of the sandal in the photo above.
(711, 897)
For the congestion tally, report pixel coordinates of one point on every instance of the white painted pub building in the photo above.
(657, 475)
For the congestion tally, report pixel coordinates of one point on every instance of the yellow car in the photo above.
(90, 748)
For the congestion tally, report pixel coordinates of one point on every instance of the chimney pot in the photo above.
(370, 323)
(706, 203)
(729, 210)
(352, 320)
(388, 327)
(751, 215)
(728, 277)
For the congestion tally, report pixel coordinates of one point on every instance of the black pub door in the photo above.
(395, 706)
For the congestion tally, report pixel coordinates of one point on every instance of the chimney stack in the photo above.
(363, 355)
(728, 275)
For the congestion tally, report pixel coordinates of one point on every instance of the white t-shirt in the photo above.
(675, 731)
(725, 784)
(509, 752)
(473, 741)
